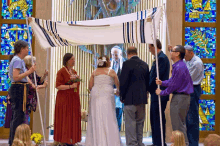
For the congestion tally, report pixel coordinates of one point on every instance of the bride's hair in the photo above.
(103, 61)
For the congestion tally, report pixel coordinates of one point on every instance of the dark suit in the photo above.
(134, 84)
(164, 70)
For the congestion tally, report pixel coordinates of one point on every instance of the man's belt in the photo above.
(196, 85)
(180, 93)
(25, 94)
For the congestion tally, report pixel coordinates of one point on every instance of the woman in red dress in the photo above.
(67, 124)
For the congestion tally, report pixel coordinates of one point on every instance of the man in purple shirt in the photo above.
(181, 85)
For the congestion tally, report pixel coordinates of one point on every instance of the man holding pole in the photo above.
(181, 85)
(164, 70)
(196, 70)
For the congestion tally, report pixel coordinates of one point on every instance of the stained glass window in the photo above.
(3, 106)
(200, 10)
(5, 81)
(206, 115)
(203, 41)
(17, 9)
(208, 84)
(10, 33)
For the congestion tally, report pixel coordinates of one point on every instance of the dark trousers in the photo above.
(18, 116)
(119, 112)
(192, 120)
(155, 121)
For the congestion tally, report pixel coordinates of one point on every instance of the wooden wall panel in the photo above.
(76, 13)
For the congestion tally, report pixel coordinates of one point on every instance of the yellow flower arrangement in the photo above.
(36, 137)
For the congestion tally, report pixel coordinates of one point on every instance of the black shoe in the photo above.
(69, 144)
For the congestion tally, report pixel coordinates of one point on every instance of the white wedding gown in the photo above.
(102, 129)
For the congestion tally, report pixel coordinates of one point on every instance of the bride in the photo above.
(102, 127)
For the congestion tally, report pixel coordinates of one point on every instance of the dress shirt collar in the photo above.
(116, 61)
(158, 54)
(192, 59)
(134, 56)
(177, 63)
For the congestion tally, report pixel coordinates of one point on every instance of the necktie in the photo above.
(116, 66)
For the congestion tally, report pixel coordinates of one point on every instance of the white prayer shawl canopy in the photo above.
(130, 28)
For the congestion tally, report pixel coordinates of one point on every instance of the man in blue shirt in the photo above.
(181, 85)
(196, 70)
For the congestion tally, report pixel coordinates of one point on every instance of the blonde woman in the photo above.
(178, 138)
(22, 136)
(212, 140)
(31, 104)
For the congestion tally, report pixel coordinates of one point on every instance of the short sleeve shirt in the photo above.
(17, 63)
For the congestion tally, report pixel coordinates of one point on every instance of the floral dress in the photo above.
(31, 104)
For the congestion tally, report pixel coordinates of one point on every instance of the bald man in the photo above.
(196, 70)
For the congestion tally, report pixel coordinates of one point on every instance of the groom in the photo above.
(134, 83)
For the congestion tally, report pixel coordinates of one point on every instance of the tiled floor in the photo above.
(147, 141)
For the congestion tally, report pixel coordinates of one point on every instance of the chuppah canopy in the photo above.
(131, 28)
(139, 27)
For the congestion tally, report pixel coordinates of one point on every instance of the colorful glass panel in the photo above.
(200, 10)
(5, 81)
(206, 115)
(10, 33)
(3, 107)
(17, 9)
(203, 41)
(208, 83)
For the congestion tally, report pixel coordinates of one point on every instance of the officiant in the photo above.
(116, 65)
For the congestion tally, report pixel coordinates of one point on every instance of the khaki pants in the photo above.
(179, 107)
(134, 124)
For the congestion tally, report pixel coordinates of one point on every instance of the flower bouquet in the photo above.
(36, 137)
(75, 79)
